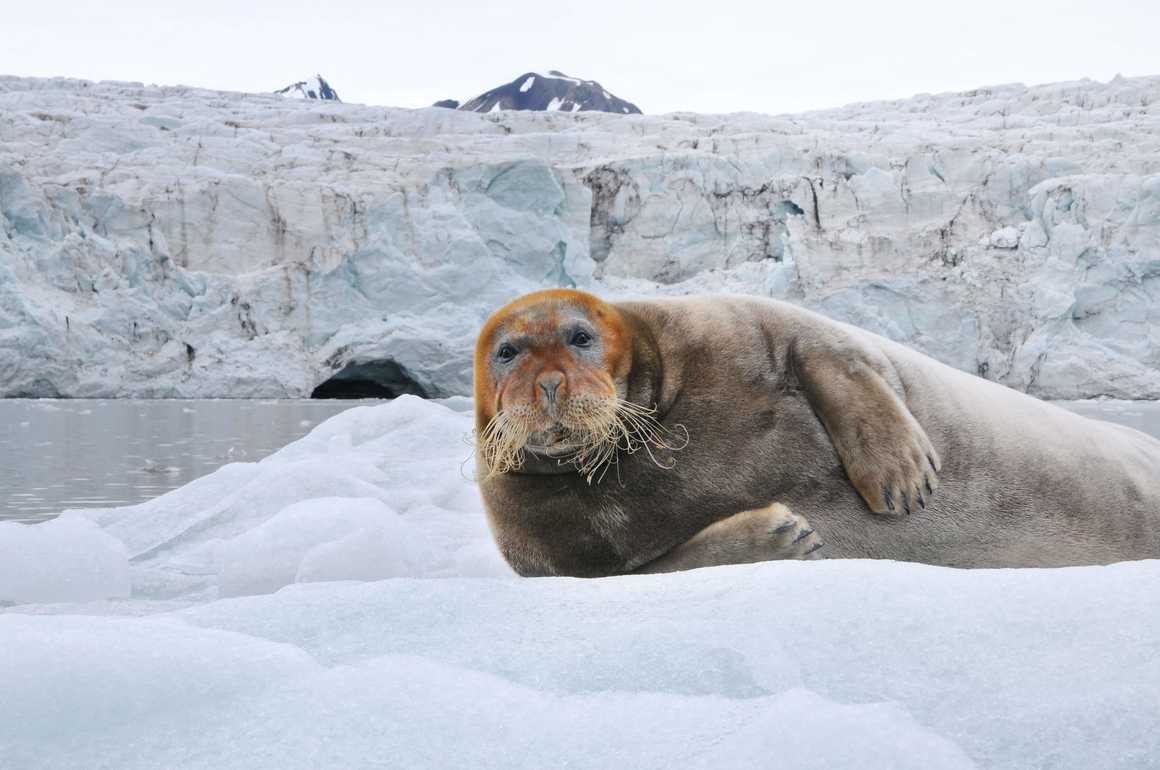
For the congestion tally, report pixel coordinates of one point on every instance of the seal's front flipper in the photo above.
(886, 453)
(762, 534)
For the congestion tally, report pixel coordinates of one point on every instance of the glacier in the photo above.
(340, 604)
(176, 242)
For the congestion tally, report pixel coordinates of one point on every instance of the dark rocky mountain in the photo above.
(451, 104)
(312, 88)
(552, 92)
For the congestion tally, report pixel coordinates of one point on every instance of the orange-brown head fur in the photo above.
(536, 318)
(551, 371)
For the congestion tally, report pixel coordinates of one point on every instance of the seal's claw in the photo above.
(781, 528)
(899, 482)
(789, 536)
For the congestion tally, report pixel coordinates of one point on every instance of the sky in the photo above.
(719, 56)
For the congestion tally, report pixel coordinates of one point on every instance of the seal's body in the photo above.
(851, 431)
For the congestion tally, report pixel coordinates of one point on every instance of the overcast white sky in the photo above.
(709, 56)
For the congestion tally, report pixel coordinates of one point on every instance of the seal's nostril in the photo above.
(550, 384)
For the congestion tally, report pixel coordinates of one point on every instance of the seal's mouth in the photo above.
(601, 435)
(556, 442)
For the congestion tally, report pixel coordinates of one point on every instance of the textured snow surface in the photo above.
(178, 242)
(447, 660)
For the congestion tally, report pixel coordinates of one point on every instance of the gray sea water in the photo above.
(57, 454)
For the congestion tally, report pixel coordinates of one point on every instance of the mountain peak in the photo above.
(311, 88)
(553, 92)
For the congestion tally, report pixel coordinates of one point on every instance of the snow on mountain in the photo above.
(312, 88)
(179, 242)
(552, 92)
(340, 604)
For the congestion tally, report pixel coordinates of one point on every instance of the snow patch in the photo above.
(556, 75)
(527, 84)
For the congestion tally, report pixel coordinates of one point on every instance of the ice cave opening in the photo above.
(370, 379)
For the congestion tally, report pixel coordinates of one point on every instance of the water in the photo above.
(1141, 415)
(83, 454)
(57, 454)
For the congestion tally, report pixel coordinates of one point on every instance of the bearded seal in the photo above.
(629, 436)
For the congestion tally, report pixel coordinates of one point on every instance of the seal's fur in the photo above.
(784, 405)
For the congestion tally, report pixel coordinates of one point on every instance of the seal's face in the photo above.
(551, 375)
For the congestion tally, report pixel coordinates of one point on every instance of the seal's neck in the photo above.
(648, 380)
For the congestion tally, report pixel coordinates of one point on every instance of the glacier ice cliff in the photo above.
(175, 242)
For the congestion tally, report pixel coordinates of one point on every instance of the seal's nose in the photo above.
(549, 383)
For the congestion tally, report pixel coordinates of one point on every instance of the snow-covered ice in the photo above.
(423, 650)
(175, 242)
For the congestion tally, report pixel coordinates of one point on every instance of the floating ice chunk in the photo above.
(837, 663)
(67, 559)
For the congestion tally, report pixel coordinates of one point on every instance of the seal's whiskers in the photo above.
(601, 430)
(627, 427)
(501, 444)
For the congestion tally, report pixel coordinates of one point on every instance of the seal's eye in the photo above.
(506, 353)
(580, 339)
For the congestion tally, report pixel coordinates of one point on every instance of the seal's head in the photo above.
(551, 379)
